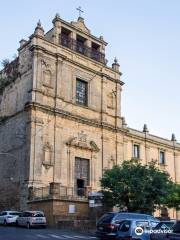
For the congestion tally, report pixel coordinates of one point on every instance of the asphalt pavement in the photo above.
(17, 233)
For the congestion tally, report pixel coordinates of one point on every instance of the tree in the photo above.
(173, 199)
(136, 187)
(5, 62)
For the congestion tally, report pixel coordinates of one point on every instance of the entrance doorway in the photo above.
(81, 175)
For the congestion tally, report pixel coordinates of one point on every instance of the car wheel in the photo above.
(5, 223)
(28, 225)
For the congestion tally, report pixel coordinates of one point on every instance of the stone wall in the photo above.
(57, 210)
(14, 163)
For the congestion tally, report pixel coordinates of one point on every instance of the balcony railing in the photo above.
(61, 192)
(81, 48)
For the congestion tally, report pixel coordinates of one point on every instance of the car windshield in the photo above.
(106, 218)
(164, 225)
(15, 213)
(39, 214)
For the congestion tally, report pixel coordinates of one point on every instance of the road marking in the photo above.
(66, 236)
(85, 237)
(55, 236)
(80, 236)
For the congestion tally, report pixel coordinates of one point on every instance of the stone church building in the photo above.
(61, 124)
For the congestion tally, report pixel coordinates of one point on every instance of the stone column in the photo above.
(57, 28)
(103, 99)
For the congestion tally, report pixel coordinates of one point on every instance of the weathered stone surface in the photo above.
(43, 129)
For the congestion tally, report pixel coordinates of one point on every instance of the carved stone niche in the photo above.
(47, 155)
(110, 100)
(47, 74)
(47, 78)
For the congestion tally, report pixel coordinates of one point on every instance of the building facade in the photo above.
(61, 123)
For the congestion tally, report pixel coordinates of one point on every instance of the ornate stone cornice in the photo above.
(74, 117)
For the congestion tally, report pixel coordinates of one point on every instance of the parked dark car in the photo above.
(161, 230)
(108, 224)
(134, 229)
(175, 235)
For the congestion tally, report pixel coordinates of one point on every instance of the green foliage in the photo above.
(173, 199)
(136, 187)
(5, 62)
(3, 83)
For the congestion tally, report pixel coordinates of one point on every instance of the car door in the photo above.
(26, 218)
(21, 219)
(141, 229)
(124, 229)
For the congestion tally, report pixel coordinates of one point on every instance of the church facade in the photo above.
(61, 124)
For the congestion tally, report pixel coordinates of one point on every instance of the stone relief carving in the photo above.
(82, 136)
(47, 76)
(47, 73)
(111, 100)
(81, 141)
(47, 155)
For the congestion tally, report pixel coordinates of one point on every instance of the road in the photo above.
(16, 233)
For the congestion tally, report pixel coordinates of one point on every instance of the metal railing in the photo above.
(62, 192)
(81, 48)
(41, 193)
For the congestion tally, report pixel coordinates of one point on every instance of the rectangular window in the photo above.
(65, 37)
(81, 92)
(80, 44)
(136, 151)
(162, 157)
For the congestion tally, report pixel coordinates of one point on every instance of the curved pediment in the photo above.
(81, 25)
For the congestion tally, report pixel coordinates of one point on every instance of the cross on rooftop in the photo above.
(80, 11)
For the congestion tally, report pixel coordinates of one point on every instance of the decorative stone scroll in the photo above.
(81, 142)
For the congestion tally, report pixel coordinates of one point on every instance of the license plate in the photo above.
(39, 219)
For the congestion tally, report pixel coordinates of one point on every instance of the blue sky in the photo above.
(143, 34)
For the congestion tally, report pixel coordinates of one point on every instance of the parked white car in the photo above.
(8, 217)
(31, 219)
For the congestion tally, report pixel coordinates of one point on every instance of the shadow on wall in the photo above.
(9, 196)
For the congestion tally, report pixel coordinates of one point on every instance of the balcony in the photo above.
(57, 191)
(79, 47)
